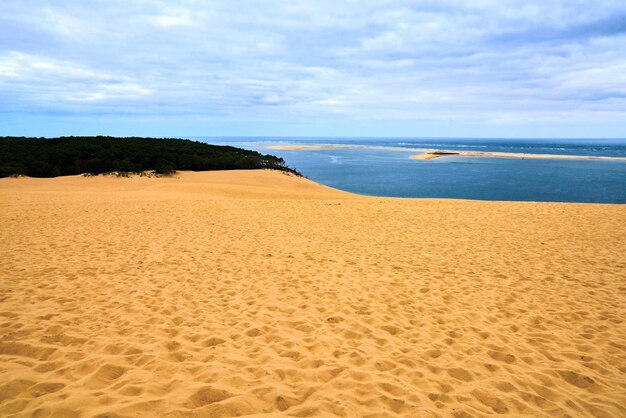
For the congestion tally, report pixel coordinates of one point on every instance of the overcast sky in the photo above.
(487, 68)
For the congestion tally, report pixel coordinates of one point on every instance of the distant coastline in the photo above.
(431, 154)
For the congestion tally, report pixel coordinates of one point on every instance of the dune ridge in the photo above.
(256, 293)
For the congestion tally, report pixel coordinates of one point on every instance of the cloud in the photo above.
(286, 61)
(175, 17)
(43, 83)
(606, 26)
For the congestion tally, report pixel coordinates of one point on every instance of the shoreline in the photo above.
(127, 181)
(431, 154)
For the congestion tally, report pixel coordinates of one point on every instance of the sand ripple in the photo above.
(230, 294)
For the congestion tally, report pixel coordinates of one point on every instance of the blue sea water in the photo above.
(389, 172)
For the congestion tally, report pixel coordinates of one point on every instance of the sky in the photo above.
(402, 68)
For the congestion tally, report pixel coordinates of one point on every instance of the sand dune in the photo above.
(257, 293)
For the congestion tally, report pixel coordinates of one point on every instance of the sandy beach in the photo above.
(257, 293)
(431, 154)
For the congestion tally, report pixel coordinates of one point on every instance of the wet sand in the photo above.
(258, 293)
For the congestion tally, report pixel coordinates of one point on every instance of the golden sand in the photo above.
(257, 293)
(431, 154)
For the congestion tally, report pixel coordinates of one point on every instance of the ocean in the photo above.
(387, 171)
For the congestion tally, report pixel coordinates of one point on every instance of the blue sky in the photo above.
(449, 68)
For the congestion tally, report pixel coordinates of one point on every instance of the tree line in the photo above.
(52, 157)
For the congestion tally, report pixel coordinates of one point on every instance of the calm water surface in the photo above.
(389, 172)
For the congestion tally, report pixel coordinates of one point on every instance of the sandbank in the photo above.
(431, 154)
(256, 293)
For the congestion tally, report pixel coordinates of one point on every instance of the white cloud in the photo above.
(18, 65)
(101, 92)
(385, 59)
(175, 17)
(50, 82)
